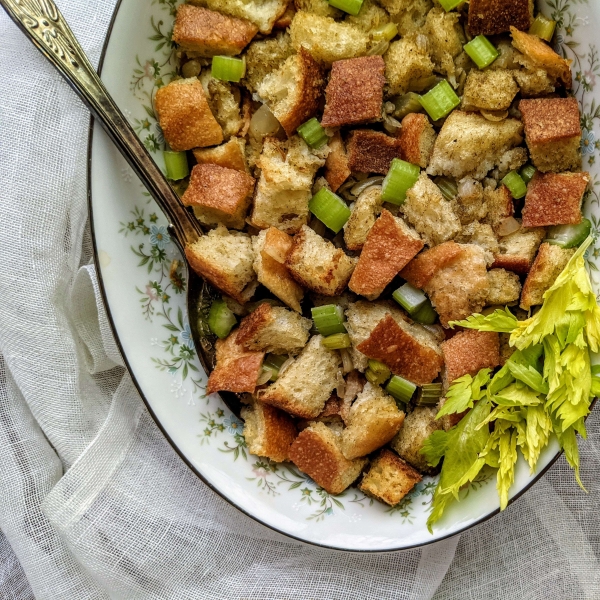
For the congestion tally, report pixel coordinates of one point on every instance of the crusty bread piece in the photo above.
(444, 42)
(327, 40)
(318, 7)
(263, 13)
(499, 205)
(354, 93)
(430, 213)
(210, 33)
(533, 81)
(470, 145)
(185, 116)
(482, 235)
(489, 17)
(236, 369)
(553, 133)
(230, 155)
(303, 388)
(423, 267)
(224, 101)
(363, 216)
(316, 452)
(374, 419)
(518, 249)
(269, 247)
(372, 151)
(547, 266)
(504, 288)
(460, 288)
(489, 90)
(418, 426)
(225, 259)
(268, 431)
(336, 164)
(409, 15)
(389, 246)
(389, 478)
(416, 140)
(407, 63)
(264, 57)
(219, 195)
(318, 265)
(330, 415)
(293, 91)
(274, 329)
(554, 199)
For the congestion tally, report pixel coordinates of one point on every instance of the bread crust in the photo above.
(336, 164)
(489, 17)
(229, 155)
(416, 139)
(550, 119)
(469, 351)
(372, 151)
(423, 267)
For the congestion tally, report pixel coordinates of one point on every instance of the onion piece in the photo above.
(358, 188)
(347, 364)
(263, 122)
(264, 377)
(286, 365)
(391, 125)
(508, 226)
(494, 115)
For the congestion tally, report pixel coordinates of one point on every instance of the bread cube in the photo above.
(327, 40)
(416, 139)
(374, 419)
(417, 427)
(489, 17)
(264, 57)
(407, 63)
(230, 155)
(370, 16)
(423, 267)
(469, 145)
(354, 93)
(236, 369)
(409, 15)
(504, 288)
(318, 265)
(303, 388)
(389, 246)
(316, 452)
(318, 7)
(274, 329)
(518, 250)
(363, 217)
(210, 33)
(499, 205)
(294, 90)
(554, 199)
(185, 117)
(533, 81)
(224, 258)
(219, 195)
(268, 431)
(553, 133)
(489, 90)
(430, 213)
(271, 248)
(444, 42)
(336, 164)
(483, 236)
(372, 151)
(285, 20)
(547, 266)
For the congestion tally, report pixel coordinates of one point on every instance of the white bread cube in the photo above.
(518, 249)
(504, 288)
(489, 90)
(230, 155)
(363, 216)
(264, 57)
(442, 30)
(406, 64)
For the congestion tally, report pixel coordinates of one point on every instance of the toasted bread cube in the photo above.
(389, 246)
(264, 57)
(460, 288)
(285, 20)
(363, 217)
(483, 236)
(224, 101)
(409, 15)
(303, 388)
(316, 452)
(423, 267)
(504, 288)
(372, 151)
(518, 249)
(418, 426)
(533, 80)
(430, 213)
(317, 264)
(468, 352)
(185, 116)
(354, 93)
(470, 145)
(230, 155)
(293, 91)
(489, 90)
(210, 33)
(268, 431)
(547, 266)
(269, 248)
(442, 30)
(225, 259)
(274, 329)
(219, 195)
(374, 419)
(327, 40)
(389, 478)
(499, 205)
(406, 65)
(554, 199)
(318, 7)
(237, 369)
(553, 133)
(336, 164)
(489, 17)
(416, 140)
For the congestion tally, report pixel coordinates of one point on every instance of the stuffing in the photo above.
(406, 64)
(532, 79)
(489, 17)
(362, 218)
(264, 57)
(504, 288)
(518, 249)
(423, 267)
(483, 236)
(372, 151)
(416, 139)
(230, 155)
(489, 90)
(442, 30)
(336, 164)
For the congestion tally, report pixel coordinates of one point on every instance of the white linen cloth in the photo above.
(95, 504)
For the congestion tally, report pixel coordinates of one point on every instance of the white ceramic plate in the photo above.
(147, 308)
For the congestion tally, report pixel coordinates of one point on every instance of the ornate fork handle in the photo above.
(44, 25)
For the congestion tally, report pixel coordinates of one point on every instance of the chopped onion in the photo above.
(340, 388)
(422, 42)
(264, 376)
(391, 125)
(437, 331)
(263, 122)
(379, 48)
(389, 107)
(285, 365)
(468, 188)
(508, 226)
(358, 188)
(494, 115)
(347, 364)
